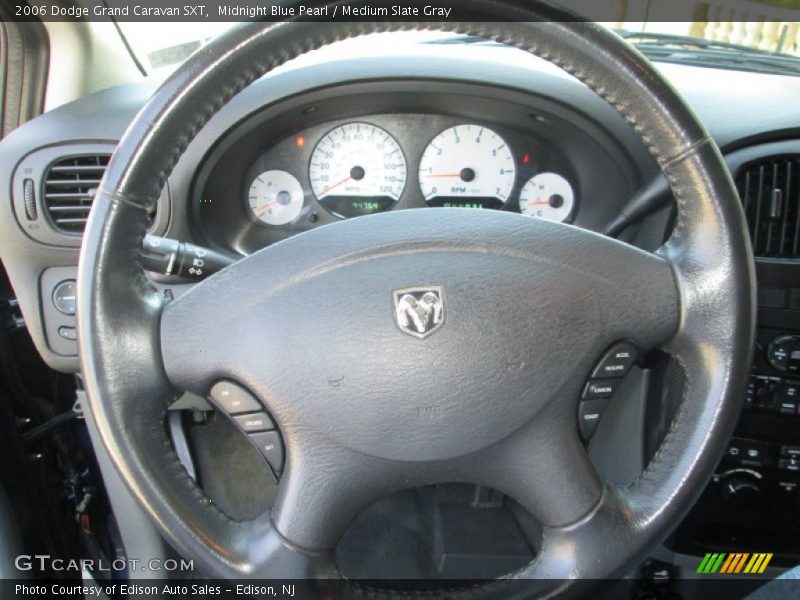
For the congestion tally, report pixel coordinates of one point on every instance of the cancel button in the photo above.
(600, 388)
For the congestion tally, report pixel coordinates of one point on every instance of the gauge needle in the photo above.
(266, 206)
(334, 185)
(535, 202)
(443, 175)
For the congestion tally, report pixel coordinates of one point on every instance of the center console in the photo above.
(752, 503)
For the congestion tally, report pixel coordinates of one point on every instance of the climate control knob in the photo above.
(740, 489)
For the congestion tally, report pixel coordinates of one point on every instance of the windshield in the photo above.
(756, 44)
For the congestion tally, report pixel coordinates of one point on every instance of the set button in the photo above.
(249, 415)
(270, 445)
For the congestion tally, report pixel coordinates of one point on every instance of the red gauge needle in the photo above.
(535, 202)
(335, 185)
(443, 175)
(266, 206)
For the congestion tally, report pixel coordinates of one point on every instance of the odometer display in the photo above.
(357, 169)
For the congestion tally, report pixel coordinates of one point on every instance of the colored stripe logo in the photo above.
(734, 563)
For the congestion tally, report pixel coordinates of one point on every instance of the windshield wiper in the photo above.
(683, 49)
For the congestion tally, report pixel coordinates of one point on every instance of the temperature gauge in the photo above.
(276, 197)
(548, 196)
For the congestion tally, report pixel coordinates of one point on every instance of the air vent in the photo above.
(69, 188)
(770, 192)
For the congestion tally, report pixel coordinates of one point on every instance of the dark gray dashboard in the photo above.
(497, 86)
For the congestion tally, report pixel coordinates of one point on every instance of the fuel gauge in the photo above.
(276, 197)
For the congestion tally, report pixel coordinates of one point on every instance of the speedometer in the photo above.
(357, 169)
(467, 166)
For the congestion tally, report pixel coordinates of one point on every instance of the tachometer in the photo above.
(275, 197)
(549, 196)
(469, 166)
(356, 169)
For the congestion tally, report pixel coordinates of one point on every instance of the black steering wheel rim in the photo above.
(131, 371)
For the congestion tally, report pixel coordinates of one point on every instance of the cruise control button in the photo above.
(255, 422)
(234, 399)
(271, 448)
(616, 362)
(589, 414)
(600, 388)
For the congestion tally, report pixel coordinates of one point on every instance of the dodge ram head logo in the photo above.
(419, 311)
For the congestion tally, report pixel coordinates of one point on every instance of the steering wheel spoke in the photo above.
(323, 488)
(640, 298)
(544, 467)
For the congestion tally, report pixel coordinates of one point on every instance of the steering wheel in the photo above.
(490, 397)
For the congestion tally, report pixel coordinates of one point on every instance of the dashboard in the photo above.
(558, 133)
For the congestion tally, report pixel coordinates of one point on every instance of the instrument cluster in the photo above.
(360, 167)
(293, 173)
